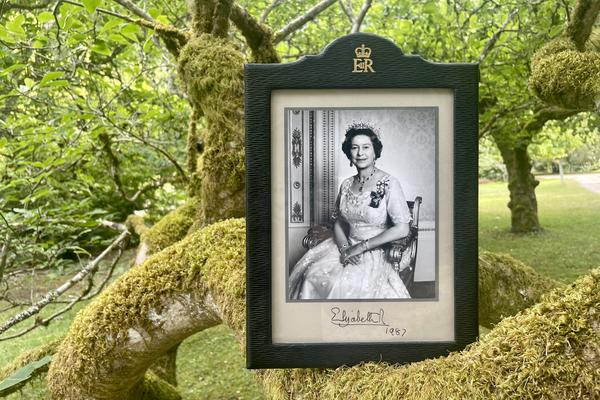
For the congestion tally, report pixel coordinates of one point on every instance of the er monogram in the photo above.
(362, 62)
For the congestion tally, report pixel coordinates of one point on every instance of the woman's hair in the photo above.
(352, 132)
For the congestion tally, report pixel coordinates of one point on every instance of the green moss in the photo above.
(154, 388)
(172, 227)
(222, 266)
(211, 69)
(212, 258)
(550, 351)
(136, 224)
(507, 286)
(563, 76)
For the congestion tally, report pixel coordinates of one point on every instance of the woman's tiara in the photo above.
(364, 125)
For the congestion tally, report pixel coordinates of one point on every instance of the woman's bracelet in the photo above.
(344, 247)
(366, 243)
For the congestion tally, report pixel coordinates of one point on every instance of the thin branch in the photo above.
(147, 186)
(347, 9)
(30, 7)
(114, 163)
(504, 111)
(113, 225)
(136, 10)
(44, 322)
(109, 275)
(265, 14)
(582, 22)
(299, 22)
(567, 9)
(475, 11)
(361, 16)
(53, 294)
(492, 41)
(165, 153)
(102, 11)
(4, 254)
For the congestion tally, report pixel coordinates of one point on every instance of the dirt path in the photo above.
(589, 181)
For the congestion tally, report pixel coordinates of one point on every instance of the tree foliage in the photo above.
(91, 126)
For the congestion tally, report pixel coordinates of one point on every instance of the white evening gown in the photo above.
(319, 274)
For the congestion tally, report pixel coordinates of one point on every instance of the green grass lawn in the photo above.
(569, 244)
(210, 364)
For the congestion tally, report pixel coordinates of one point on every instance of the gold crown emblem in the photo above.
(362, 51)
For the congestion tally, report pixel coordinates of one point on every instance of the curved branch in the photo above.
(582, 22)
(174, 38)
(361, 16)
(299, 22)
(492, 41)
(257, 35)
(547, 114)
(136, 10)
(265, 14)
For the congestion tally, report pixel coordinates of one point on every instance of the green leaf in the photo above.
(57, 83)
(556, 30)
(10, 69)
(6, 36)
(50, 76)
(15, 25)
(148, 45)
(45, 16)
(130, 31)
(118, 38)
(22, 375)
(154, 12)
(163, 19)
(110, 25)
(91, 5)
(100, 47)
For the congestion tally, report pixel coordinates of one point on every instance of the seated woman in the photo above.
(370, 211)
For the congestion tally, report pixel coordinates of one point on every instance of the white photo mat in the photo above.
(405, 321)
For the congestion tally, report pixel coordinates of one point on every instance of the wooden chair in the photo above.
(395, 251)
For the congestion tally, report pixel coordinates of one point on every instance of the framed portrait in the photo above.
(361, 207)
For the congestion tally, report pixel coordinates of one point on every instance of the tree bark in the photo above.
(521, 184)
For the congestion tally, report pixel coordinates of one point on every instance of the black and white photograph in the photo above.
(361, 204)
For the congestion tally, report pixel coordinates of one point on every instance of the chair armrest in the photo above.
(316, 235)
(395, 250)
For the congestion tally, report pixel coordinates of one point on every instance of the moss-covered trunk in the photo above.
(521, 184)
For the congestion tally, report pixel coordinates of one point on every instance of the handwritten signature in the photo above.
(344, 318)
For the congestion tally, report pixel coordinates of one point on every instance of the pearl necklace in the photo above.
(362, 181)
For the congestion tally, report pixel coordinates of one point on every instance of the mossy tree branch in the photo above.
(582, 22)
(258, 36)
(202, 12)
(221, 18)
(551, 349)
(566, 71)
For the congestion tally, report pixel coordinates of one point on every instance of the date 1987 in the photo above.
(395, 331)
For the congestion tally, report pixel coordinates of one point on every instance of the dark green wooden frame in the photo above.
(330, 70)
